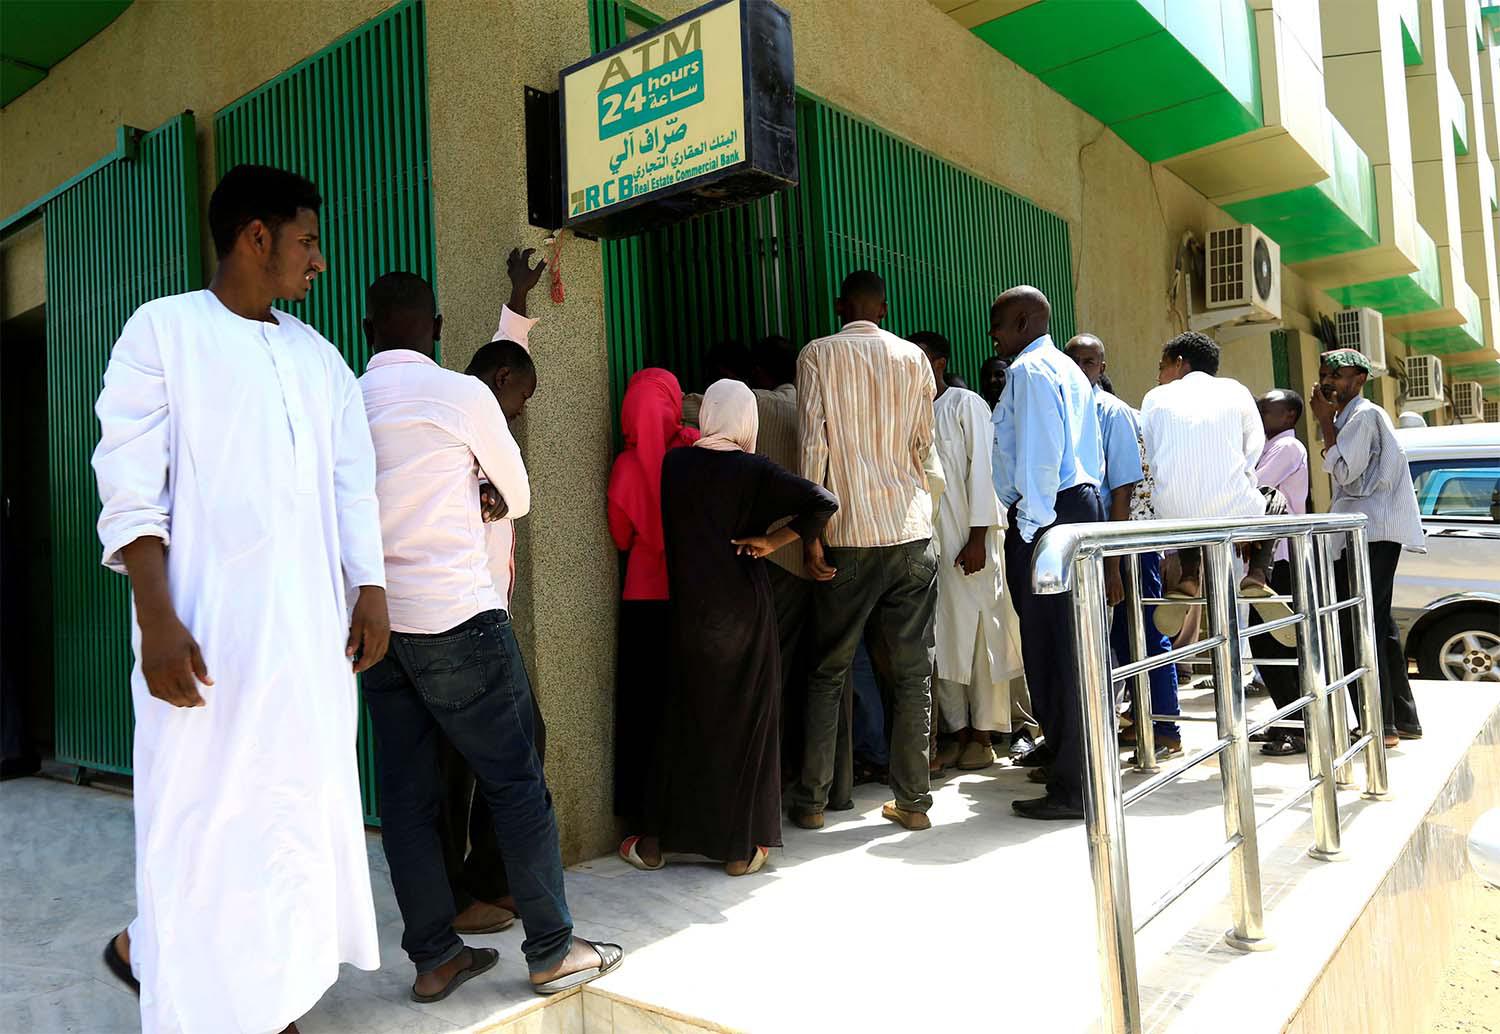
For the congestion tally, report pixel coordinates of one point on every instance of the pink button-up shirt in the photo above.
(500, 536)
(436, 434)
(1283, 465)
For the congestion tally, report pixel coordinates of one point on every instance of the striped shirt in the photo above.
(1371, 476)
(865, 406)
(1203, 440)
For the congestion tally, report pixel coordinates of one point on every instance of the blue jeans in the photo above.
(1163, 680)
(870, 743)
(470, 685)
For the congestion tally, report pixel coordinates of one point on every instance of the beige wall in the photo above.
(479, 57)
(874, 58)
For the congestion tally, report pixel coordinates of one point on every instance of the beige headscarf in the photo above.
(729, 418)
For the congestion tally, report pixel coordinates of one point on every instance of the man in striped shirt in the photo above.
(865, 425)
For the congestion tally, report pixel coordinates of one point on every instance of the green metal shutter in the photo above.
(1281, 360)
(123, 235)
(353, 119)
(946, 241)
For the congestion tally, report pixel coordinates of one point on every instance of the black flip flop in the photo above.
(610, 957)
(119, 967)
(482, 961)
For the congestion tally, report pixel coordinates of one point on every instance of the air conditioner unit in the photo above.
(1243, 272)
(1364, 331)
(1468, 401)
(1424, 383)
(1492, 411)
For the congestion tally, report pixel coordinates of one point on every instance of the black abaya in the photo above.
(718, 788)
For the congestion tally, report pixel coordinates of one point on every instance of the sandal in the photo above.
(629, 853)
(1284, 746)
(1170, 617)
(481, 960)
(119, 967)
(757, 863)
(610, 957)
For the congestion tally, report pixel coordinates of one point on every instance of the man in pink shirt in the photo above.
(1282, 466)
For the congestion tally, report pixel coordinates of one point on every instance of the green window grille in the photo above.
(353, 119)
(100, 268)
(1281, 360)
(946, 242)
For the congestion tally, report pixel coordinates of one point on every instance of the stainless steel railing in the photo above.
(1071, 558)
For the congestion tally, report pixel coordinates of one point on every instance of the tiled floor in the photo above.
(859, 926)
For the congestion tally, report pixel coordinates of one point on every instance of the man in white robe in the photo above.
(237, 482)
(978, 650)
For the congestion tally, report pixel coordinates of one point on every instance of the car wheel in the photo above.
(1461, 648)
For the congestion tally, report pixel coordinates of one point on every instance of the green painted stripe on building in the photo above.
(1338, 215)
(1419, 291)
(353, 119)
(1411, 32)
(1167, 76)
(123, 235)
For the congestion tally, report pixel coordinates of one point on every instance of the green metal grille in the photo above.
(946, 242)
(102, 265)
(1281, 360)
(353, 119)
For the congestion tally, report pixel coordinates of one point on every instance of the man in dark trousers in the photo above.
(1048, 467)
(1283, 467)
(1370, 476)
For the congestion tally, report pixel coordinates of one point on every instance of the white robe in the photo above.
(244, 446)
(969, 606)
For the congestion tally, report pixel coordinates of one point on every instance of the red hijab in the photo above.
(651, 419)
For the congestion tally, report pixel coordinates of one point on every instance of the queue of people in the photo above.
(853, 500)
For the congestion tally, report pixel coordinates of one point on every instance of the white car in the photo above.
(1447, 601)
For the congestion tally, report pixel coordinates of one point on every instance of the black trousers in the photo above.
(1281, 680)
(1400, 708)
(1048, 653)
(471, 851)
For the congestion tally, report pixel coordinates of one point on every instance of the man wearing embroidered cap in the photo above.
(1370, 476)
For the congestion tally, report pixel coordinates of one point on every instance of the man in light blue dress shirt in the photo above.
(1049, 463)
(1120, 427)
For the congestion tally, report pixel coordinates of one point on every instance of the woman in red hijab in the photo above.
(651, 420)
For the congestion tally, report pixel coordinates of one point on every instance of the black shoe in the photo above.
(1047, 808)
(1409, 734)
(841, 806)
(1041, 775)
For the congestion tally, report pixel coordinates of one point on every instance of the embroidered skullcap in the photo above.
(1340, 357)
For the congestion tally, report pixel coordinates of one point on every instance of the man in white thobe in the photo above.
(978, 650)
(237, 483)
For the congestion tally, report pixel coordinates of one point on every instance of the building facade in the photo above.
(958, 147)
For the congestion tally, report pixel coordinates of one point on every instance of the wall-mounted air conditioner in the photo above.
(1364, 331)
(1492, 411)
(1243, 274)
(1424, 383)
(1468, 401)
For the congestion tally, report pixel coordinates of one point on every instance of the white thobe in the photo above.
(978, 642)
(243, 446)
(500, 536)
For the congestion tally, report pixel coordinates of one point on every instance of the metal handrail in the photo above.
(1070, 558)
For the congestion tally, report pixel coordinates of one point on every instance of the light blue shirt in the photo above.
(1120, 428)
(1047, 435)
